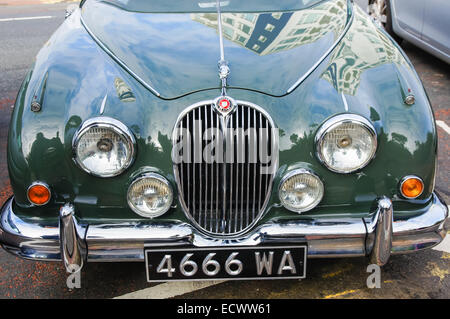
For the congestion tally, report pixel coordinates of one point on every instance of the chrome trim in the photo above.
(35, 106)
(113, 124)
(117, 59)
(326, 237)
(403, 180)
(382, 247)
(102, 107)
(335, 121)
(410, 99)
(73, 246)
(327, 53)
(41, 184)
(344, 99)
(149, 175)
(298, 172)
(268, 184)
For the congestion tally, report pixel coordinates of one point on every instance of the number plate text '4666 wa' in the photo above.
(238, 263)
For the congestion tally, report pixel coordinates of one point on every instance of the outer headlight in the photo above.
(104, 147)
(300, 190)
(346, 143)
(150, 195)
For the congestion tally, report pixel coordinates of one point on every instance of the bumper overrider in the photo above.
(74, 243)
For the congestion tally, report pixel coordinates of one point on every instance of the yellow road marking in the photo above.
(437, 272)
(340, 271)
(341, 294)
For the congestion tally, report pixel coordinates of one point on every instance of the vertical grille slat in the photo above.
(211, 184)
(255, 143)
(231, 139)
(241, 186)
(194, 129)
(199, 141)
(247, 187)
(206, 176)
(217, 166)
(224, 197)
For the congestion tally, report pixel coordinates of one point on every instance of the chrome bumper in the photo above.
(376, 237)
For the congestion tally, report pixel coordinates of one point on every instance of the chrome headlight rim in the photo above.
(161, 179)
(334, 122)
(118, 128)
(293, 173)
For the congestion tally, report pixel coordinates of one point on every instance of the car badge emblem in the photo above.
(224, 105)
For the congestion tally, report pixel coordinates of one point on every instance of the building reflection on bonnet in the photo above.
(269, 33)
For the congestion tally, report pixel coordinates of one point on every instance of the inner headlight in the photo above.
(300, 191)
(150, 195)
(346, 143)
(104, 147)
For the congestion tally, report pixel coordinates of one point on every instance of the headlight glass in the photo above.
(104, 147)
(150, 195)
(346, 143)
(300, 191)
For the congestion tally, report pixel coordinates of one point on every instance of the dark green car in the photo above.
(230, 139)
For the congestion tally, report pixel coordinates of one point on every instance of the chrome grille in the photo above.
(224, 197)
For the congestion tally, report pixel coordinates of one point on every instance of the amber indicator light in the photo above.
(39, 194)
(412, 187)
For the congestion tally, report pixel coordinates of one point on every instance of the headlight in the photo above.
(150, 195)
(346, 143)
(300, 191)
(104, 147)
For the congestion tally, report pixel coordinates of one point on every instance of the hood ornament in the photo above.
(224, 69)
(223, 104)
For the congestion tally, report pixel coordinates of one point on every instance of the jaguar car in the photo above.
(221, 139)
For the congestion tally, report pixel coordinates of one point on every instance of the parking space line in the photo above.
(443, 126)
(25, 18)
(169, 289)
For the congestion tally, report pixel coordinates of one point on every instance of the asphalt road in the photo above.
(421, 275)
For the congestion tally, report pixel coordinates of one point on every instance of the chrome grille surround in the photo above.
(230, 206)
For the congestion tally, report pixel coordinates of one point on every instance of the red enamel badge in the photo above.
(224, 104)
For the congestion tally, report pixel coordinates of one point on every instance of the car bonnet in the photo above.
(177, 53)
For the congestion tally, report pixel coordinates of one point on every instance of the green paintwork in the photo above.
(72, 75)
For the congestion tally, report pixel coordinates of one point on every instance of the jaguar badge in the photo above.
(224, 105)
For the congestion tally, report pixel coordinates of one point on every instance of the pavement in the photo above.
(423, 274)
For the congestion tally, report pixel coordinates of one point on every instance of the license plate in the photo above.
(238, 263)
